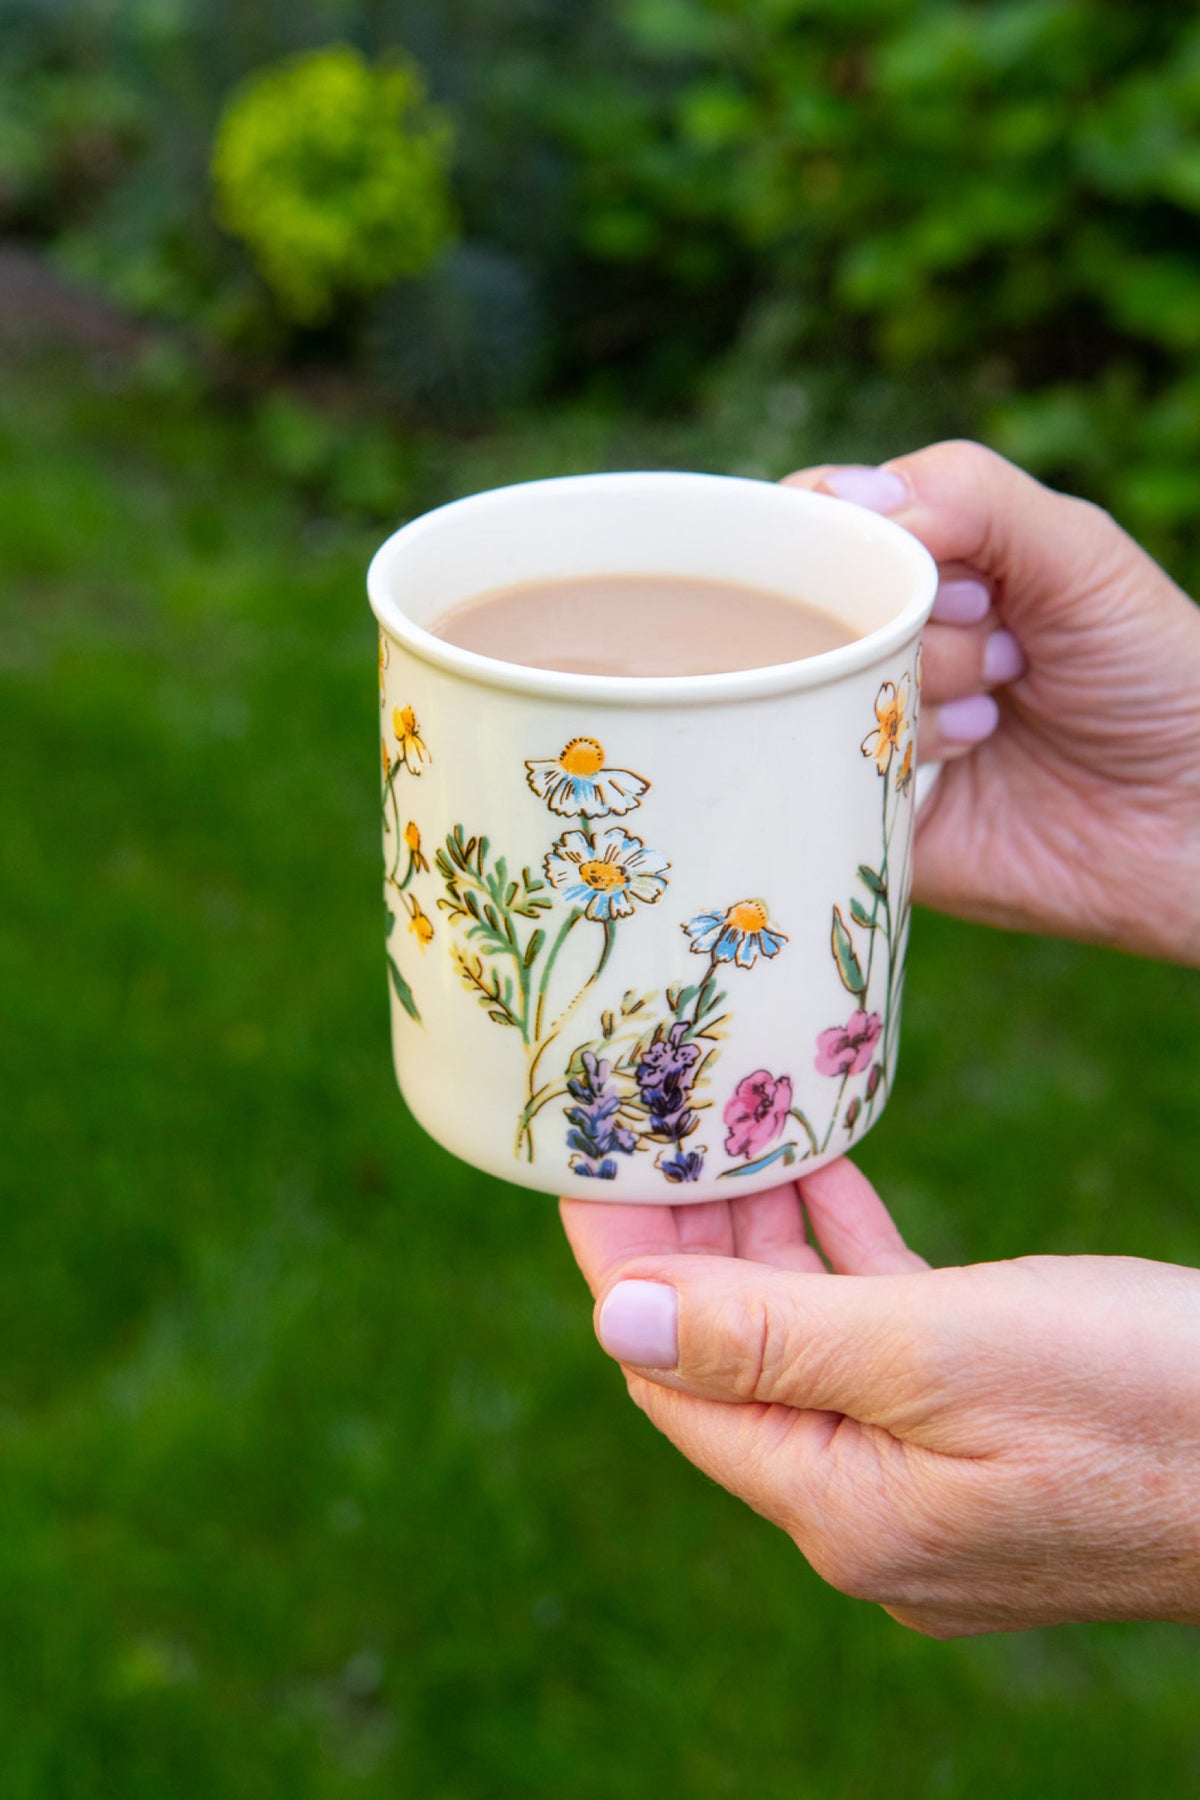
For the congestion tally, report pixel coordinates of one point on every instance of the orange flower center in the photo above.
(603, 876)
(582, 756)
(748, 916)
(891, 719)
(412, 837)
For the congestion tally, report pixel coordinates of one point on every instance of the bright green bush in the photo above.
(333, 172)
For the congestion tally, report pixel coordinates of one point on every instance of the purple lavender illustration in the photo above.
(595, 1131)
(664, 1078)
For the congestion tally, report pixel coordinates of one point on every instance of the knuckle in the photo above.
(963, 459)
(746, 1348)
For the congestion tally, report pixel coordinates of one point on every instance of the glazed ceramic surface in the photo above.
(646, 938)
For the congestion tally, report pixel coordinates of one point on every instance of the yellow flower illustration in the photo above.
(891, 706)
(387, 763)
(576, 781)
(904, 778)
(383, 659)
(408, 735)
(418, 924)
(412, 838)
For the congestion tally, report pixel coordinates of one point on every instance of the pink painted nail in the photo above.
(639, 1323)
(962, 601)
(1003, 658)
(877, 489)
(969, 720)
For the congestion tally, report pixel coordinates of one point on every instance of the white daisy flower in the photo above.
(577, 782)
(606, 877)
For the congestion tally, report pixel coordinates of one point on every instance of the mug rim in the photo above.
(656, 690)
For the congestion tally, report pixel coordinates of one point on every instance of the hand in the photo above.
(976, 1449)
(1080, 814)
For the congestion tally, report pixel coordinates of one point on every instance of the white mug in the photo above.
(646, 936)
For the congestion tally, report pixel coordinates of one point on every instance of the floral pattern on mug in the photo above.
(891, 704)
(576, 781)
(607, 874)
(741, 934)
(641, 1084)
(413, 752)
(757, 1113)
(402, 845)
(866, 943)
(595, 1132)
(846, 1049)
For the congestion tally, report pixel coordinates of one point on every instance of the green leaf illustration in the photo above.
(403, 991)
(861, 916)
(786, 1154)
(533, 949)
(870, 879)
(846, 958)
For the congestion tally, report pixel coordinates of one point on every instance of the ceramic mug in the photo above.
(646, 937)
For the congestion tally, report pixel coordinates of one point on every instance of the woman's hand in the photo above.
(1078, 811)
(976, 1449)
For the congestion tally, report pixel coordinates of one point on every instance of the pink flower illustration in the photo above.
(757, 1112)
(846, 1049)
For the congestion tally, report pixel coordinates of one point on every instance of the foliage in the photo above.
(829, 221)
(334, 173)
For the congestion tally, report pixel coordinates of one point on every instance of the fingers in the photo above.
(852, 1225)
(962, 665)
(705, 1228)
(769, 1456)
(1034, 547)
(958, 499)
(770, 1228)
(967, 659)
(604, 1235)
(729, 1330)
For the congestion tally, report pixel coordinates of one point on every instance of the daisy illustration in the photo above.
(576, 781)
(408, 735)
(606, 877)
(741, 935)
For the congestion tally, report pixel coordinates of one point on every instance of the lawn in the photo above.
(313, 1480)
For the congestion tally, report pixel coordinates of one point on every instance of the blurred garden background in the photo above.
(312, 1480)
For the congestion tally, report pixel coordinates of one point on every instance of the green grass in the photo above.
(312, 1480)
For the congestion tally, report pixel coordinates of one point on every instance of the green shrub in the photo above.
(334, 174)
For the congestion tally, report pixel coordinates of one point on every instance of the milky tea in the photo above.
(648, 625)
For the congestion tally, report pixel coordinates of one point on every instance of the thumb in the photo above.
(723, 1329)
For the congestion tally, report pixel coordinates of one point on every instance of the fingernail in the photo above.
(962, 601)
(969, 720)
(639, 1323)
(1003, 658)
(877, 489)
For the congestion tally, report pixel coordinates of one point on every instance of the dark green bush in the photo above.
(947, 214)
